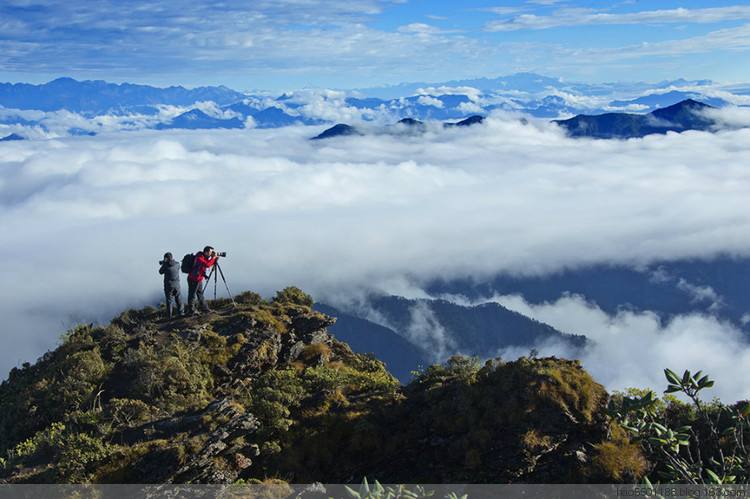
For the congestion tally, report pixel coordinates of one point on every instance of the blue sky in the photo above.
(286, 44)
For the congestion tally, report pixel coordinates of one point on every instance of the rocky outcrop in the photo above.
(260, 389)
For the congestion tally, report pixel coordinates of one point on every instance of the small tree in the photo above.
(711, 449)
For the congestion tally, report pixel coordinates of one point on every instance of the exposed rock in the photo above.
(220, 460)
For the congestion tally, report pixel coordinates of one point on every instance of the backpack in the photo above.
(187, 263)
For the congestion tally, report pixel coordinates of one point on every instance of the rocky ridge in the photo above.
(261, 391)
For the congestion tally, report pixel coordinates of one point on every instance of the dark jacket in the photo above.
(171, 271)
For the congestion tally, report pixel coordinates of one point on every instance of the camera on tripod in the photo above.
(221, 253)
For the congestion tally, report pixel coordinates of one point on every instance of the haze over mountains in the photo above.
(461, 229)
(477, 317)
(409, 334)
(69, 107)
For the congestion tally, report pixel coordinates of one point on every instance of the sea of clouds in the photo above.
(86, 219)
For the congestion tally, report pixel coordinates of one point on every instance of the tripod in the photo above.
(215, 275)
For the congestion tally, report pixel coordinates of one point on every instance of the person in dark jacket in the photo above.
(170, 269)
(203, 261)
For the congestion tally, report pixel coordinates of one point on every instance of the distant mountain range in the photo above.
(128, 106)
(713, 286)
(409, 333)
(651, 102)
(412, 333)
(195, 119)
(97, 97)
(532, 83)
(399, 354)
(680, 117)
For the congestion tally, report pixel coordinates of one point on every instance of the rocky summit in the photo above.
(259, 391)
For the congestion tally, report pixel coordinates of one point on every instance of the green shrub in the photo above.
(42, 445)
(704, 444)
(125, 413)
(79, 336)
(458, 368)
(81, 375)
(172, 378)
(78, 452)
(294, 296)
(248, 298)
(113, 342)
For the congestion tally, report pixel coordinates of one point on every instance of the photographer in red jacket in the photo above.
(201, 263)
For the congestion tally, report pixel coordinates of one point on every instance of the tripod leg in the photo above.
(208, 280)
(215, 279)
(221, 272)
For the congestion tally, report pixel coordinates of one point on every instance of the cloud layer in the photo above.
(630, 349)
(85, 219)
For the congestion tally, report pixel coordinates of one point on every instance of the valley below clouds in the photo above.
(86, 219)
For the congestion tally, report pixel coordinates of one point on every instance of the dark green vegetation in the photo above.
(263, 392)
(696, 443)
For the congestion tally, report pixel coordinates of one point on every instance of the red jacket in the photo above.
(200, 265)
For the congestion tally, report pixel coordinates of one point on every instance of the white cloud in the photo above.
(55, 124)
(419, 29)
(728, 39)
(581, 17)
(470, 107)
(503, 10)
(631, 349)
(89, 217)
(212, 109)
(700, 294)
(424, 329)
(472, 93)
(580, 101)
(279, 42)
(730, 116)
(428, 100)
(331, 105)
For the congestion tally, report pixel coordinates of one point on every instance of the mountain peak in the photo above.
(338, 130)
(682, 116)
(410, 122)
(258, 388)
(685, 114)
(687, 103)
(63, 80)
(12, 137)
